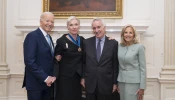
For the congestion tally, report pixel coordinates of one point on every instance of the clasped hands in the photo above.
(58, 57)
(50, 80)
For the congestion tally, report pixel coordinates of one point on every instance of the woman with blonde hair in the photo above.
(132, 66)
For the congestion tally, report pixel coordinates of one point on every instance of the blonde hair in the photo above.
(135, 40)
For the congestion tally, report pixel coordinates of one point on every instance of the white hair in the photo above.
(45, 13)
(71, 18)
(98, 19)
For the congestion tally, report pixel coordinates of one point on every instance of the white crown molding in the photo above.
(84, 28)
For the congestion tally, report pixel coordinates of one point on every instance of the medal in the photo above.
(79, 49)
(76, 42)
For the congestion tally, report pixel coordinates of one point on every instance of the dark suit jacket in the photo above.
(38, 61)
(103, 74)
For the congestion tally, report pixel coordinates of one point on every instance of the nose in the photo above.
(50, 23)
(74, 26)
(96, 30)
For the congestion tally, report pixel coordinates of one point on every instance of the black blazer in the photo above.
(102, 74)
(71, 60)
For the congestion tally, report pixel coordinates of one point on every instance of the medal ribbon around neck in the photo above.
(74, 41)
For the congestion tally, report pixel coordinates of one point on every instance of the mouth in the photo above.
(127, 37)
(74, 30)
(97, 33)
(50, 27)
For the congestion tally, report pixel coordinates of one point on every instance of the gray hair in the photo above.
(98, 19)
(71, 18)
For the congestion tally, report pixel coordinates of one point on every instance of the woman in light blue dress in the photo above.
(132, 66)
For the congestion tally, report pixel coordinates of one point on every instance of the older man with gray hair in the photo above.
(39, 60)
(100, 64)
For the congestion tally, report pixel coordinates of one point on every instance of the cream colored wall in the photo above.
(22, 16)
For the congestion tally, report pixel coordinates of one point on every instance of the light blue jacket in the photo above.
(132, 64)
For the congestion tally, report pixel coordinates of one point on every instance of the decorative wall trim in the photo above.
(166, 81)
(16, 75)
(17, 98)
(3, 65)
(83, 29)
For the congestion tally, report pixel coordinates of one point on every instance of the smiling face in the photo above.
(98, 29)
(47, 22)
(73, 26)
(129, 35)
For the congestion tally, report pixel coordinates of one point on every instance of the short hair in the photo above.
(135, 40)
(45, 13)
(98, 19)
(71, 18)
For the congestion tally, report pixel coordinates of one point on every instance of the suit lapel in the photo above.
(93, 42)
(52, 46)
(52, 42)
(44, 39)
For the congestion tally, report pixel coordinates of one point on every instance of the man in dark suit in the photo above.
(39, 60)
(100, 69)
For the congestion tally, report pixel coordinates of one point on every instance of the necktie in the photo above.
(98, 50)
(50, 43)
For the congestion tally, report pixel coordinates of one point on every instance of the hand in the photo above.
(111, 38)
(140, 93)
(82, 82)
(118, 89)
(58, 57)
(114, 88)
(53, 79)
(50, 80)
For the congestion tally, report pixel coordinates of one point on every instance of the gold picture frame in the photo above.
(89, 8)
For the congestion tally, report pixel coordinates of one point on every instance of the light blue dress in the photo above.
(132, 70)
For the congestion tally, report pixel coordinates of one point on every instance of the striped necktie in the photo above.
(50, 43)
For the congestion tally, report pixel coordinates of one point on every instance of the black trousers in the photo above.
(68, 88)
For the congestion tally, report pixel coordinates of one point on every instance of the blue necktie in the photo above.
(50, 44)
(98, 50)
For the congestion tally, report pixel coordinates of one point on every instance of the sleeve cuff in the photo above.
(46, 79)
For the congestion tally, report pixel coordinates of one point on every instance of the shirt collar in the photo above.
(44, 33)
(102, 39)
